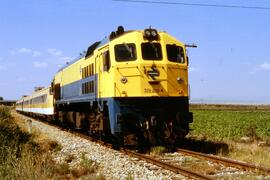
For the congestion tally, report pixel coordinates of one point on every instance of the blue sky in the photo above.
(231, 63)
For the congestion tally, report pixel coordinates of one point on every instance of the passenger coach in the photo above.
(40, 102)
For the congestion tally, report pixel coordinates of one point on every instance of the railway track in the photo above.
(178, 169)
(228, 162)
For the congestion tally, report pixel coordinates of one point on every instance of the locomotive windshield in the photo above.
(175, 53)
(125, 52)
(151, 51)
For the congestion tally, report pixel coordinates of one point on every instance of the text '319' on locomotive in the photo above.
(132, 87)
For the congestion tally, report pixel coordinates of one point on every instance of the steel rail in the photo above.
(230, 162)
(177, 169)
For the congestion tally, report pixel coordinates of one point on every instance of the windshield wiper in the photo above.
(155, 48)
(129, 50)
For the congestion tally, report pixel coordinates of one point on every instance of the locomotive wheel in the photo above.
(152, 137)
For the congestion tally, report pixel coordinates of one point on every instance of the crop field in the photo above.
(231, 125)
(242, 134)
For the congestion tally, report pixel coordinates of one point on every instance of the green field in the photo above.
(231, 125)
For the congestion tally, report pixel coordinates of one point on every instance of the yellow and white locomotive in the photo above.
(132, 85)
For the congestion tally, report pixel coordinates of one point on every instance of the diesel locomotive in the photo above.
(131, 86)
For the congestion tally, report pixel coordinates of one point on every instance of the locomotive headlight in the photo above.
(123, 79)
(147, 33)
(179, 80)
(154, 33)
(151, 34)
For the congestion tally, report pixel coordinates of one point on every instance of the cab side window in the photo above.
(175, 53)
(106, 61)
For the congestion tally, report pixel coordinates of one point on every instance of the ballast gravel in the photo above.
(111, 163)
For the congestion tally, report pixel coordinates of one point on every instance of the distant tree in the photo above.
(1, 98)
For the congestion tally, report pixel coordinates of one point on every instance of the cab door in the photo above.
(104, 73)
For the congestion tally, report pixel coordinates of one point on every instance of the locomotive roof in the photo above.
(89, 52)
(93, 47)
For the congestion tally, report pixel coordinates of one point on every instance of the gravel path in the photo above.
(112, 164)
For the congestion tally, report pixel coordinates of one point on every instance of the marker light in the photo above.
(153, 33)
(147, 33)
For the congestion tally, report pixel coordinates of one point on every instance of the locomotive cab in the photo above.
(156, 65)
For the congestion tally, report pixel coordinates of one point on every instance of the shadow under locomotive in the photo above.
(204, 146)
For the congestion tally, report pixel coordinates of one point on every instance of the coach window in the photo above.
(175, 53)
(125, 52)
(106, 61)
(151, 51)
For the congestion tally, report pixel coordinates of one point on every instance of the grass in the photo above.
(251, 153)
(86, 169)
(19, 153)
(157, 150)
(86, 166)
(231, 125)
(29, 156)
(129, 176)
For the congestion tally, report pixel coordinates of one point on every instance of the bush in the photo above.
(17, 149)
(12, 139)
(22, 158)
